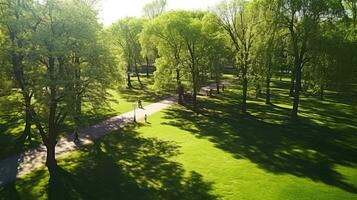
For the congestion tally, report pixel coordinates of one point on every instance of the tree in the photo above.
(181, 45)
(217, 53)
(238, 20)
(269, 47)
(125, 33)
(160, 32)
(302, 19)
(66, 66)
(154, 8)
(19, 21)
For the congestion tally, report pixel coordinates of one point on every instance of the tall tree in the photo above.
(159, 32)
(302, 19)
(19, 21)
(125, 33)
(217, 52)
(268, 49)
(154, 8)
(181, 43)
(238, 20)
(67, 66)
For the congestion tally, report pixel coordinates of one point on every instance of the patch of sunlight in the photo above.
(70, 160)
(38, 187)
(287, 106)
(349, 173)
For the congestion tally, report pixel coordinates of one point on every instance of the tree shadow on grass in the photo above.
(122, 166)
(9, 192)
(303, 149)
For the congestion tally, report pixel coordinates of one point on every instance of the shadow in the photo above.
(8, 172)
(266, 137)
(9, 192)
(120, 166)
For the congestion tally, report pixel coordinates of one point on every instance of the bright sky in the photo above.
(112, 10)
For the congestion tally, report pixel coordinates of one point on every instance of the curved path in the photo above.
(23, 163)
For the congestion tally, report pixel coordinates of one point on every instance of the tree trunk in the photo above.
(294, 114)
(17, 66)
(78, 86)
(50, 142)
(180, 89)
(147, 66)
(27, 130)
(258, 90)
(195, 108)
(217, 84)
(138, 76)
(245, 90)
(129, 81)
(322, 92)
(51, 162)
(141, 84)
(292, 85)
(267, 97)
(195, 85)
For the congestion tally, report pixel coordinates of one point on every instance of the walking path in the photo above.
(23, 163)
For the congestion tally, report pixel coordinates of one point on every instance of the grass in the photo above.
(218, 154)
(119, 101)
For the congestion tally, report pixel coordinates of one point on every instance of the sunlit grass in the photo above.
(119, 100)
(218, 154)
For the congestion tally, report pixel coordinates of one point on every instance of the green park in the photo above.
(171, 100)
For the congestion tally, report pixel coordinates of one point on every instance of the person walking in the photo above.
(140, 105)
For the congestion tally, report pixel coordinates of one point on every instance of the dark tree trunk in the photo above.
(294, 114)
(78, 89)
(147, 66)
(322, 92)
(195, 74)
(51, 162)
(195, 107)
(217, 84)
(28, 118)
(141, 84)
(268, 79)
(258, 91)
(267, 97)
(129, 81)
(292, 85)
(245, 90)
(180, 89)
(17, 60)
(50, 143)
(26, 134)
(138, 76)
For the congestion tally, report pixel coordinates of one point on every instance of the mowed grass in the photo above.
(119, 101)
(218, 154)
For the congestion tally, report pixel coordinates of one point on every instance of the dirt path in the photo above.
(23, 163)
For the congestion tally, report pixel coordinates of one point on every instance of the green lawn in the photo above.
(119, 101)
(219, 154)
